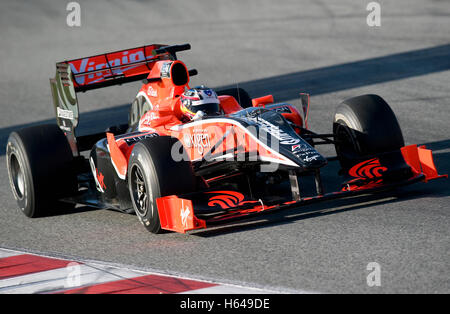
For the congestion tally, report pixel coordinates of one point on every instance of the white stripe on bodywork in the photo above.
(283, 160)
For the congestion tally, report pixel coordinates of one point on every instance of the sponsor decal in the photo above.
(226, 199)
(229, 199)
(184, 216)
(283, 137)
(273, 157)
(305, 152)
(165, 69)
(368, 169)
(299, 148)
(146, 119)
(98, 63)
(98, 177)
(282, 109)
(65, 128)
(200, 139)
(134, 140)
(101, 179)
(311, 158)
(151, 91)
(64, 114)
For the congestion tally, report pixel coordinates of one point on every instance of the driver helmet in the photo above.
(199, 101)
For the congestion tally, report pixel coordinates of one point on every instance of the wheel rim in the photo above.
(140, 191)
(17, 176)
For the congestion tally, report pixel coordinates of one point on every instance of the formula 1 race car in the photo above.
(252, 158)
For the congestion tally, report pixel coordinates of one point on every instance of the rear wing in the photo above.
(113, 68)
(103, 70)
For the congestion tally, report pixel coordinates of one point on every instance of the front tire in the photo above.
(365, 126)
(153, 173)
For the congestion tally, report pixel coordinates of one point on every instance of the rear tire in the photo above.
(153, 173)
(39, 162)
(364, 126)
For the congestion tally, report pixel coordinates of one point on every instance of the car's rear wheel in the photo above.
(39, 162)
(152, 173)
(365, 126)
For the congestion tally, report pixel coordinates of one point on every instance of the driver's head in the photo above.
(197, 99)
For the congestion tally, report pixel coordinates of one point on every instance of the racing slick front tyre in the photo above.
(364, 126)
(153, 173)
(39, 161)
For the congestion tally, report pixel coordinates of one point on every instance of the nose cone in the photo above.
(305, 155)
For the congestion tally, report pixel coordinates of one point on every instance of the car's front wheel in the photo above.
(152, 173)
(365, 126)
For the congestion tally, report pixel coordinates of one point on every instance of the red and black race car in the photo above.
(179, 175)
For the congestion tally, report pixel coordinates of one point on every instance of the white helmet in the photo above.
(197, 99)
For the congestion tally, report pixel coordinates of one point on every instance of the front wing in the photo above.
(211, 207)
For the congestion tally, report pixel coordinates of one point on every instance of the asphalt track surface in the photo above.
(284, 47)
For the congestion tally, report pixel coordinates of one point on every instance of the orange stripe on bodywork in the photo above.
(117, 157)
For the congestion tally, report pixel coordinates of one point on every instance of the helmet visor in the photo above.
(209, 109)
